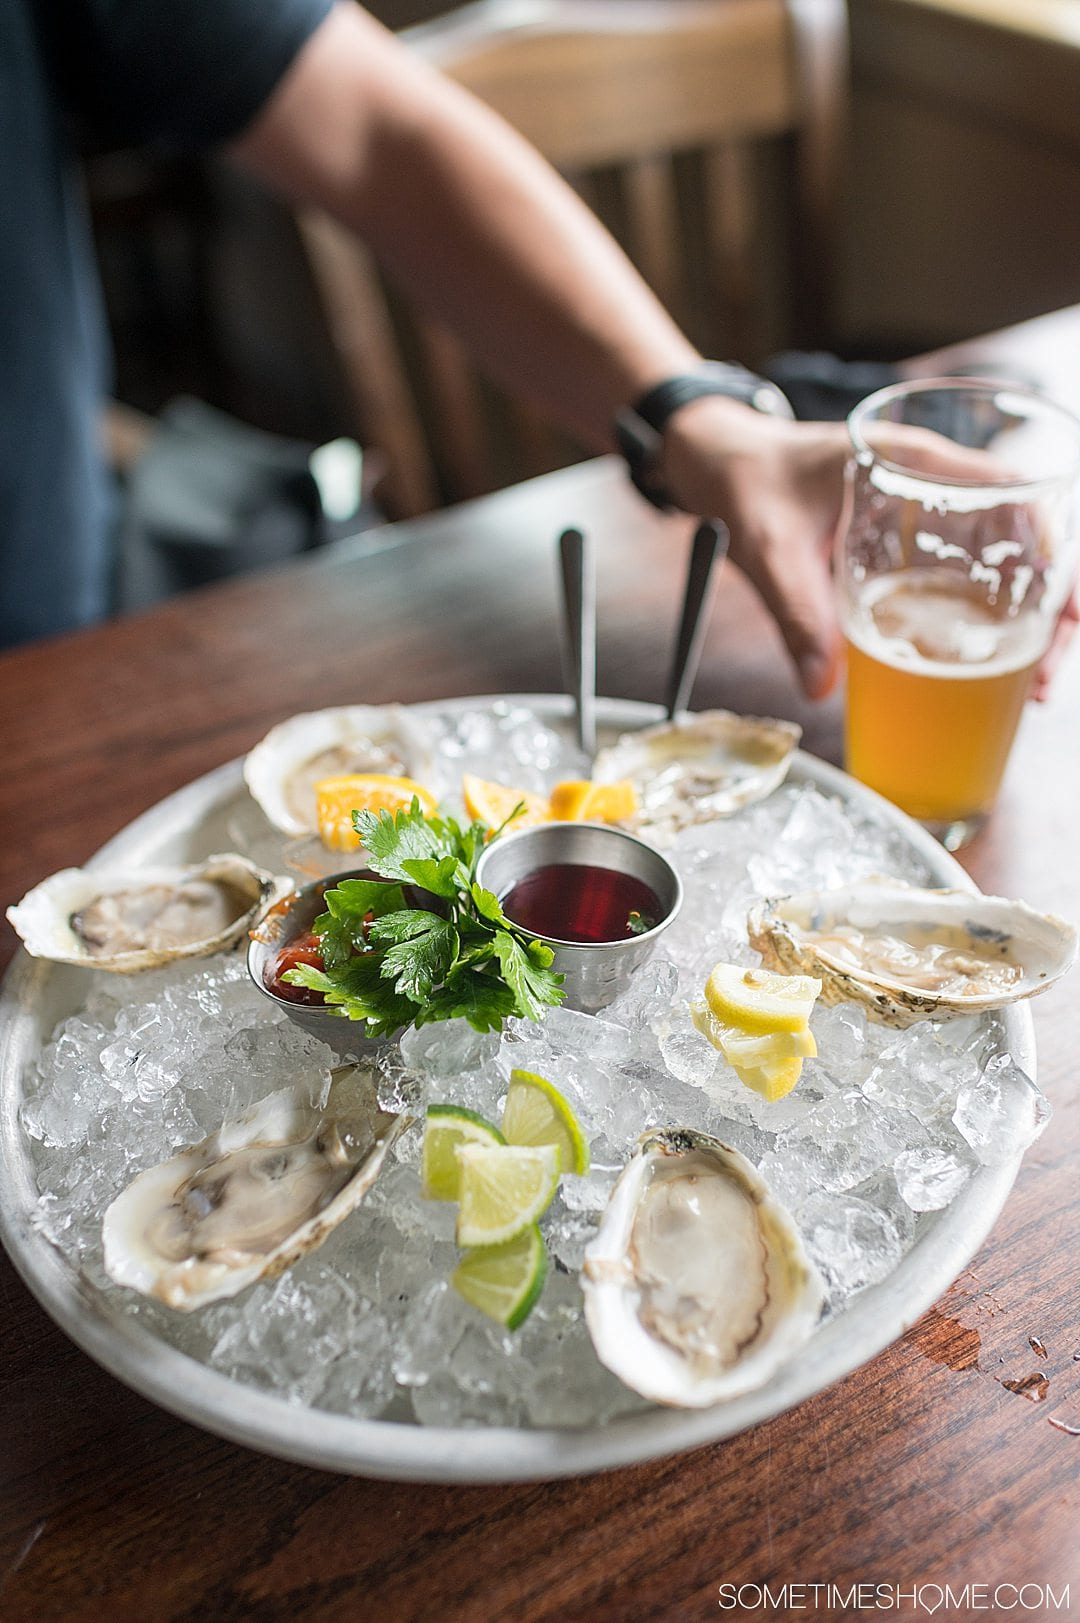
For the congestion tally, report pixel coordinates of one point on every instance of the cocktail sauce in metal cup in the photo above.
(286, 923)
(595, 971)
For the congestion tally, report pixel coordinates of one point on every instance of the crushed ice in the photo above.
(884, 1130)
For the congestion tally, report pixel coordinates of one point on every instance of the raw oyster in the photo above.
(697, 1287)
(699, 768)
(251, 1199)
(910, 954)
(125, 921)
(282, 771)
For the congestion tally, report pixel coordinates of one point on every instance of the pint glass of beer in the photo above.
(955, 557)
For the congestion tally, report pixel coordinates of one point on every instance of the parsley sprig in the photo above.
(392, 964)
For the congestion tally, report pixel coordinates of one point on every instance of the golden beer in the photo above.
(937, 680)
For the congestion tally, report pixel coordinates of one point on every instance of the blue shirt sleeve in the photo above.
(177, 73)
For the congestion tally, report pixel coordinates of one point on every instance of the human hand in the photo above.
(778, 486)
(1064, 631)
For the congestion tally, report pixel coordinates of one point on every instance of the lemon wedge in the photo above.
(759, 1022)
(492, 803)
(759, 1002)
(774, 1049)
(771, 1081)
(337, 798)
(578, 800)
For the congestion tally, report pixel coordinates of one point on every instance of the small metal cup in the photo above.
(295, 916)
(595, 972)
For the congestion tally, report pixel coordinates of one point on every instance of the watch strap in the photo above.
(663, 400)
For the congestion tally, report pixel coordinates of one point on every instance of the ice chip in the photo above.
(484, 1358)
(649, 996)
(588, 1193)
(446, 1048)
(433, 1324)
(788, 1172)
(841, 1036)
(568, 1234)
(853, 1242)
(360, 1380)
(591, 1035)
(930, 1178)
(1000, 1112)
(285, 1335)
(687, 1054)
(916, 1073)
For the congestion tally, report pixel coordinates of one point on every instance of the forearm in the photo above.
(474, 226)
(481, 233)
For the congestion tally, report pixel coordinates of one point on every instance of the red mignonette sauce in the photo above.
(582, 903)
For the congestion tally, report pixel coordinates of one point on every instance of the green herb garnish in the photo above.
(392, 964)
(639, 923)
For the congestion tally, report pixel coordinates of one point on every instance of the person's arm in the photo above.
(483, 234)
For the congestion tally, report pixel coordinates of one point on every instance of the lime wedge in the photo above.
(504, 1281)
(504, 1189)
(446, 1127)
(536, 1113)
(759, 1001)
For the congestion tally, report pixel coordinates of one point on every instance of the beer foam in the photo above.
(922, 622)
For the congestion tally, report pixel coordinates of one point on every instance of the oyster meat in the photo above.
(281, 772)
(909, 954)
(251, 1199)
(144, 917)
(697, 1287)
(699, 767)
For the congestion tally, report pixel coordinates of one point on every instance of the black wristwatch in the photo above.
(638, 428)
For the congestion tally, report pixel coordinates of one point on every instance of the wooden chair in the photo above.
(705, 133)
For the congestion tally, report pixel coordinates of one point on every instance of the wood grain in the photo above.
(923, 1467)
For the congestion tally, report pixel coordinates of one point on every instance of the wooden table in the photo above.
(921, 1468)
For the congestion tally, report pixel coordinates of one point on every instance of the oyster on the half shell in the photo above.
(699, 767)
(909, 954)
(251, 1199)
(697, 1287)
(282, 770)
(139, 918)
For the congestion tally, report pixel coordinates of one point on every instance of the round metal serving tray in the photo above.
(36, 995)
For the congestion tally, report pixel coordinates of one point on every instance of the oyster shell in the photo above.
(699, 768)
(282, 771)
(909, 954)
(251, 1199)
(697, 1287)
(139, 918)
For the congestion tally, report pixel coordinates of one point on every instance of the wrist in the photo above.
(716, 400)
(703, 445)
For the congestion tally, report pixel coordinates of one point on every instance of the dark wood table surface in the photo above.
(922, 1468)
